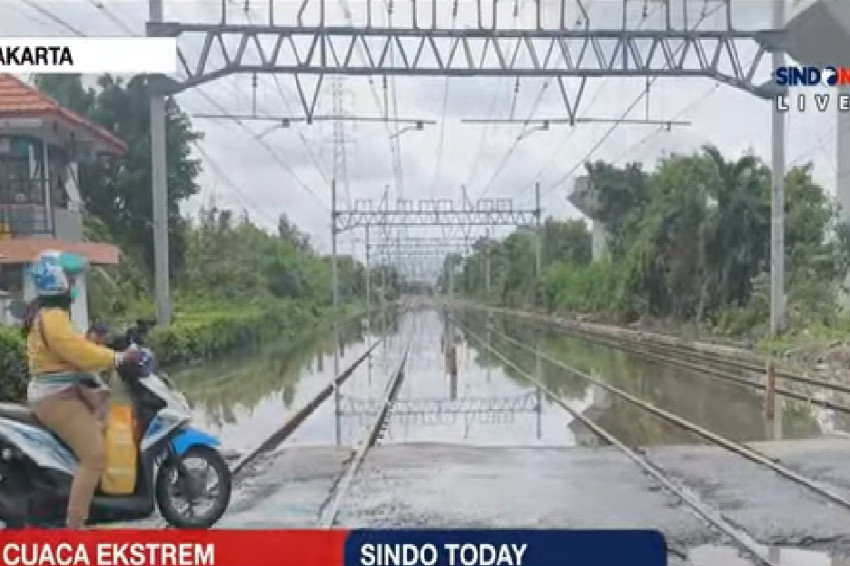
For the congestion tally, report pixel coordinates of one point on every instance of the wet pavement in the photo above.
(439, 485)
(469, 443)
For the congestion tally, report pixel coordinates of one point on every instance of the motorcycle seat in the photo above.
(18, 413)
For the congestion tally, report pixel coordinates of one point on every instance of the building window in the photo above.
(12, 279)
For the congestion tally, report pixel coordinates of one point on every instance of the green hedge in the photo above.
(191, 337)
(13, 365)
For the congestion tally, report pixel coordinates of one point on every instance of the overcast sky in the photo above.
(438, 160)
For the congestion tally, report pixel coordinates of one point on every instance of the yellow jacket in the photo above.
(65, 349)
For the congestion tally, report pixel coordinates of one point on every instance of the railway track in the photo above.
(287, 428)
(747, 374)
(285, 431)
(741, 539)
(330, 510)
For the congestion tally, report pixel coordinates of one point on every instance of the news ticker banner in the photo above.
(89, 55)
(332, 548)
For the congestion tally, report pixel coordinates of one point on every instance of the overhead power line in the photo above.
(53, 17)
(206, 96)
(692, 106)
(579, 164)
(112, 17)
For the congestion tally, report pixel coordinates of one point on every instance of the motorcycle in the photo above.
(36, 467)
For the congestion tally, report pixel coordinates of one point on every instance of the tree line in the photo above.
(687, 240)
(218, 259)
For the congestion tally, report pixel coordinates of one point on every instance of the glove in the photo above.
(129, 356)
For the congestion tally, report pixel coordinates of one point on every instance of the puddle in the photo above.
(710, 555)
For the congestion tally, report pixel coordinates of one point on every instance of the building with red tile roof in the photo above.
(41, 146)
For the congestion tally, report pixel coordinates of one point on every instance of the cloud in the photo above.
(480, 157)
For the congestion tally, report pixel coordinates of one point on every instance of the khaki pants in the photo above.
(75, 422)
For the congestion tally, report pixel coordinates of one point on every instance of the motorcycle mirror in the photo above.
(18, 309)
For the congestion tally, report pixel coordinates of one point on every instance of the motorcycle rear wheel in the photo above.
(170, 481)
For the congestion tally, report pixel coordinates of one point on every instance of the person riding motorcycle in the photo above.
(64, 385)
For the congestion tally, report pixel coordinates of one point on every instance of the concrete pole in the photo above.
(842, 169)
(842, 172)
(368, 285)
(159, 191)
(487, 267)
(538, 240)
(538, 248)
(335, 314)
(777, 232)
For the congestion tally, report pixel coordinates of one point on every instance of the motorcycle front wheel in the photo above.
(180, 488)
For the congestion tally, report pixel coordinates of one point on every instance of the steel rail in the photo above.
(716, 358)
(683, 349)
(741, 539)
(627, 346)
(290, 426)
(329, 512)
(730, 445)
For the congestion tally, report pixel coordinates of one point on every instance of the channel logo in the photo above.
(812, 76)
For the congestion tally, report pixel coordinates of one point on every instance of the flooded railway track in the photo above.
(741, 372)
(289, 427)
(740, 538)
(241, 467)
(716, 367)
(330, 510)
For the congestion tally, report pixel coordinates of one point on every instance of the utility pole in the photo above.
(538, 236)
(777, 225)
(487, 266)
(368, 284)
(335, 314)
(159, 188)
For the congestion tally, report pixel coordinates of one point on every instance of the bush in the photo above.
(581, 288)
(192, 336)
(206, 334)
(13, 366)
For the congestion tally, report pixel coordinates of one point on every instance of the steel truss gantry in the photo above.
(422, 46)
(485, 212)
(417, 246)
(410, 241)
(428, 213)
(524, 402)
(560, 52)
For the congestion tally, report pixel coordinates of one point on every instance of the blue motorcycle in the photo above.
(36, 468)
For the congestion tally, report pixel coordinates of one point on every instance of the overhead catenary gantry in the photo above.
(417, 43)
(325, 48)
(431, 212)
(485, 214)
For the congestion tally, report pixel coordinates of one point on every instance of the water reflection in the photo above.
(448, 396)
(725, 408)
(244, 398)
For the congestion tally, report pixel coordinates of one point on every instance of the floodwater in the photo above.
(733, 411)
(456, 391)
(243, 399)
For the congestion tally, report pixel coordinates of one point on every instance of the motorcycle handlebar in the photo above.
(135, 334)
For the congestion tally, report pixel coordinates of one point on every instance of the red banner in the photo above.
(171, 548)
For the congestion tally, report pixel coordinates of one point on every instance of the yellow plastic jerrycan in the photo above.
(119, 477)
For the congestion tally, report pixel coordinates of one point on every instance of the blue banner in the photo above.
(504, 548)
